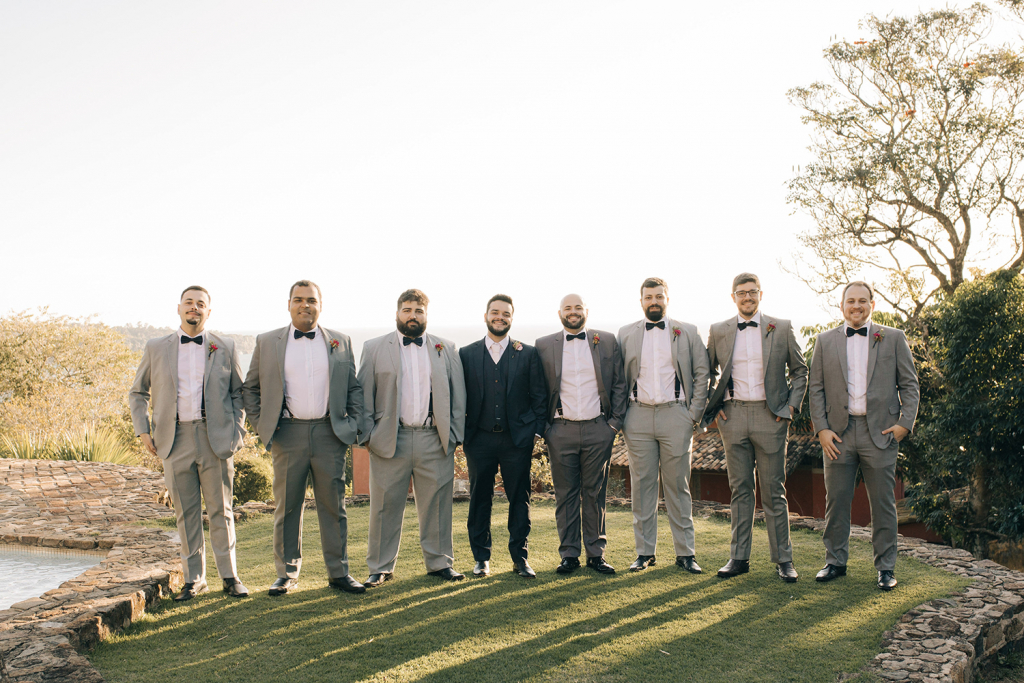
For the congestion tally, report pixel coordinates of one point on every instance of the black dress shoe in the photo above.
(347, 584)
(734, 568)
(689, 563)
(282, 586)
(375, 580)
(568, 565)
(598, 564)
(830, 571)
(191, 590)
(786, 572)
(642, 562)
(523, 568)
(448, 574)
(234, 588)
(482, 568)
(886, 580)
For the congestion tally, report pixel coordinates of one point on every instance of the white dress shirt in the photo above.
(656, 382)
(415, 382)
(857, 370)
(496, 348)
(306, 377)
(578, 391)
(747, 363)
(191, 370)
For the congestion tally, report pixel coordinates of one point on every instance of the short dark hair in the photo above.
(196, 288)
(501, 297)
(306, 283)
(860, 283)
(653, 282)
(745, 277)
(413, 295)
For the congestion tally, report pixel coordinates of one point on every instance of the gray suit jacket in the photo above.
(611, 385)
(893, 392)
(263, 390)
(779, 349)
(156, 383)
(689, 357)
(380, 373)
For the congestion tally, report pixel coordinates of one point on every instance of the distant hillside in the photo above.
(137, 335)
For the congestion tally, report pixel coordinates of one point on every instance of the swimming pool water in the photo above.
(28, 572)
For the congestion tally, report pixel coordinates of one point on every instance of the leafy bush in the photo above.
(254, 476)
(89, 445)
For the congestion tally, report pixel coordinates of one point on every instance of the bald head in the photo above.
(573, 312)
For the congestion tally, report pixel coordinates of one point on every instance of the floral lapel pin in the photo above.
(439, 347)
(879, 335)
(334, 345)
(212, 347)
(676, 332)
(517, 345)
(771, 328)
(597, 339)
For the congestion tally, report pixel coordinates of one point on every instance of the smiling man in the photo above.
(505, 400)
(863, 394)
(193, 381)
(302, 396)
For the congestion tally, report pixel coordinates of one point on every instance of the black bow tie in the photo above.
(418, 341)
(862, 331)
(299, 334)
(743, 326)
(660, 325)
(581, 335)
(186, 339)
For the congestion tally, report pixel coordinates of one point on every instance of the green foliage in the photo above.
(254, 477)
(89, 444)
(974, 434)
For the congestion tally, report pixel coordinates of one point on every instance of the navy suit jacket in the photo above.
(526, 395)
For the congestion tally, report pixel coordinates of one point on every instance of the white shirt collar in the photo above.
(291, 333)
(488, 342)
(182, 333)
(847, 325)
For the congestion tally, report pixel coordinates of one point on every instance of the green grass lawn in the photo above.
(661, 624)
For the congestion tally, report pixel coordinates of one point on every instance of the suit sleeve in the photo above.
(366, 380)
(457, 391)
(619, 398)
(907, 383)
(538, 393)
(354, 407)
(251, 387)
(138, 397)
(701, 376)
(235, 389)
(816, 389)
(797, 372)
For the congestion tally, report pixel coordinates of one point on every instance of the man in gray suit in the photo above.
(754, 403)
(585, 407)
(193, 380)
(302, 396)
(863, 397)
(414, 417)
(666, 376)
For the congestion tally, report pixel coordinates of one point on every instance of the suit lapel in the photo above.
(728, 346)
(840, 343)
(766, 341)
(438, 377)
(480, 354)
(282, 346)
(208, 366)
(396, 362)
(173, 342)
(330, 361)
(513, 365)
(673, 343)
(636, 340)
(596, 354)
(558, 348)
(872, 352)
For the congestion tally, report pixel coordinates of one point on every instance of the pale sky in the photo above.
(464, 148)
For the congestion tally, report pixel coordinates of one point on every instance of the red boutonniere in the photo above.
(597, 339)
(334, 345)
(518, 346)
(676, 331)
(439, 347)
(213, 347)
(879, 336)
(771, 328)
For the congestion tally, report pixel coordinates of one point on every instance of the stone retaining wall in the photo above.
(87, 506)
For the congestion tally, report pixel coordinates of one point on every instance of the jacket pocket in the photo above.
(894, 410)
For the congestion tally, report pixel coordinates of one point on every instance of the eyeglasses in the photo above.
(744, 295)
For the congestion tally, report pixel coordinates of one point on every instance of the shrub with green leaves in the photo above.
(254, 476)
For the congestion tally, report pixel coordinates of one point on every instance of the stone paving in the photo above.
(81, 505)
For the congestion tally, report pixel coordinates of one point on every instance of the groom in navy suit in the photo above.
(506, 397)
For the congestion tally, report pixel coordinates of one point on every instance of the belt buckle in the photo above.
(497, 429)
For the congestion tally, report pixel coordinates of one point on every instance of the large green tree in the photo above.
(918, 158)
